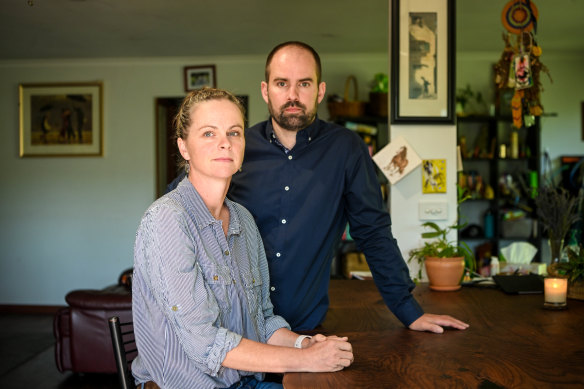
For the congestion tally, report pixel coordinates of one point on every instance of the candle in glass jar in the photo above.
(555, 290)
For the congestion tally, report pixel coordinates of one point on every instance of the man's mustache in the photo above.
(294, 104)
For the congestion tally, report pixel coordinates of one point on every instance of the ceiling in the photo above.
(151, 28)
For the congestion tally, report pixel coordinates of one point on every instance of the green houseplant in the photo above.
(573, 269)
(442, 257)
(378, 95)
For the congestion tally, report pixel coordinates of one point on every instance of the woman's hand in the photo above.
(327, 353)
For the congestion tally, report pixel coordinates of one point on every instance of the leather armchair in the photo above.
(83, 342)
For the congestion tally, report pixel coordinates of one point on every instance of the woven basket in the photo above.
(576, 290)
(347, 107)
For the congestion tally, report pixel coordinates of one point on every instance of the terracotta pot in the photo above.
(444, 274)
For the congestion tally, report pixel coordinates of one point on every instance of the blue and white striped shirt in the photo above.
(196, 292)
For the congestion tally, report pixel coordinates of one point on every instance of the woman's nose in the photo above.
(225, 142)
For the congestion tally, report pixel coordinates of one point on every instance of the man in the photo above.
(303, 179)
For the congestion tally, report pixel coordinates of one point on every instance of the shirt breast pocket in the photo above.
(219, 280)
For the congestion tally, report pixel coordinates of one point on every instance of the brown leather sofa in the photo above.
(83, 342)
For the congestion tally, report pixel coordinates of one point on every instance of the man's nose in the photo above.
(293, 93)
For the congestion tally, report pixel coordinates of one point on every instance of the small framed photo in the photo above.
(422, 61)
(61, 119)
(200, 76)
(397, 159)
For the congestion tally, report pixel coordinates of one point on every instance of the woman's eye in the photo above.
(208, 133)
(233, 133)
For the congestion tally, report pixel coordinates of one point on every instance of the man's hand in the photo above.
(434, 323)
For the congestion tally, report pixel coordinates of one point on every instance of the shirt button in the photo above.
(283, 221)
(174, 308)
(273, 288)
(278, 255)
(226, 252)
(234, 281)
(290, 157)
(215, 278)
(286, 188)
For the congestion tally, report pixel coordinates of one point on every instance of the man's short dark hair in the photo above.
(301, 45)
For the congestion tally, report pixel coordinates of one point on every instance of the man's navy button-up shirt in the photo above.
(301, 201)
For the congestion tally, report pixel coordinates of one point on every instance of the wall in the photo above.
(69, 223)
(429, 142)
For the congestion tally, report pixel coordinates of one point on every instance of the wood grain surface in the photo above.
(512, 342)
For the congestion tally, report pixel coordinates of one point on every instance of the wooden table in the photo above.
(512, 342)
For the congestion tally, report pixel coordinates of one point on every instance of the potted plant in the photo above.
(378, 95)
(465, 98)
(445, 261)
(557, 212)
(574, 271)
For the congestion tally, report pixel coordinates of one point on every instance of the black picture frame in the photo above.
(422, 70)
(200, 76)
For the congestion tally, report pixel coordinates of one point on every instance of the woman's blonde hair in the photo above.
(182, 120)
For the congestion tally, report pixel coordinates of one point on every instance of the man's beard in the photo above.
(293, 122)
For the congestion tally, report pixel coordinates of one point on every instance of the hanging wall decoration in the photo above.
(519, 67)
(397, 159)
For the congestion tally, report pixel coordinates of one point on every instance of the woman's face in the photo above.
(215, 144)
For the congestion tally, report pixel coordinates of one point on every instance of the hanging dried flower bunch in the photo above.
(520, 66)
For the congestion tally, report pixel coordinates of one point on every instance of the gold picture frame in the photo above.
(61, 119)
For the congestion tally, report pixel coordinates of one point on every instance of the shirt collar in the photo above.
(305, 135)
(196, 207)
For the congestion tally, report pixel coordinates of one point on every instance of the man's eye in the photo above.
(208, 133)
(305, 84)
(281, 83)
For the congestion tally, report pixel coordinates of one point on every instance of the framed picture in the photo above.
(199, 76)
(422, 61)
(397, 159)
(60, 120)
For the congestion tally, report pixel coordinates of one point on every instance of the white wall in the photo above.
(69, 223)
(429, 142)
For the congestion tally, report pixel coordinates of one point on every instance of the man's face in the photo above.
(292, 92)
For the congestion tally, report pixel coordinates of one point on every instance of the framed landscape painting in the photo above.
(61, 119)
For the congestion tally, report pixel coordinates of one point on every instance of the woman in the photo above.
(201, 305)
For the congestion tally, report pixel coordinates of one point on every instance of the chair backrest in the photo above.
(125, 349)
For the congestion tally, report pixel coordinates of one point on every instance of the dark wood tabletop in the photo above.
(512, 342)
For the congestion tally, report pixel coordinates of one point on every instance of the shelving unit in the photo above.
(501, 168)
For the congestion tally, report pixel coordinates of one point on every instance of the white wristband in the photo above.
(298, 343)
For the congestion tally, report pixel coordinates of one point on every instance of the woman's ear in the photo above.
(182, 148)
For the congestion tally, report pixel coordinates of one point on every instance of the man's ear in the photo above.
(321, 91)
(264, 87)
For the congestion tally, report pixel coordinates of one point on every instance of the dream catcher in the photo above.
(519, 67)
